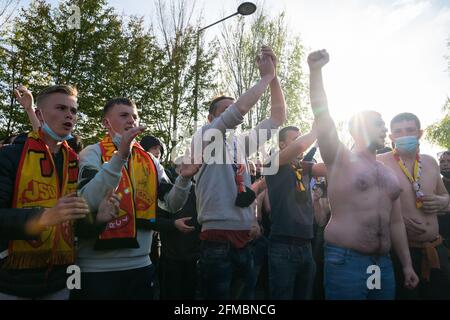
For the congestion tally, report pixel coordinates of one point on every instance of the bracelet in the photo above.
(317, 111)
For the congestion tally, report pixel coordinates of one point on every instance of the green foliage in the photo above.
(107, 56)
(439, 132)
(241, 42)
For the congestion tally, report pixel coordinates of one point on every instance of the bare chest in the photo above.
(427, 180)
(364, 177)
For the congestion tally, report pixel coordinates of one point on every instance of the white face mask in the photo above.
(116, 137)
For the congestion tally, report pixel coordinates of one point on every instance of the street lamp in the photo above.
(244, 9)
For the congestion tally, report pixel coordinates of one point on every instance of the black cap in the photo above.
(150, 141)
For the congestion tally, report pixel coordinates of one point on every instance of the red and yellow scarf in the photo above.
(37, 185)
(139, 189)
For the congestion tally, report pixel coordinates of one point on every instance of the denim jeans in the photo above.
(220, 262)
(347, 275)
(291, 271)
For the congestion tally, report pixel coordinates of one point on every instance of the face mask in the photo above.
(446, 174)
(407, 144)
(116, 137)
(53, 134)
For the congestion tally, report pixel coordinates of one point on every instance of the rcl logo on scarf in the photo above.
(38, 191)
(118, 223)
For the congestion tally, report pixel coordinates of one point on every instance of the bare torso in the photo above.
(427, 222)
(361, 193)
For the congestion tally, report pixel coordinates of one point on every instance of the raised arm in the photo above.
(301, 144)
(277, 102)
(25, 98)
(252, 95)
(326, 130)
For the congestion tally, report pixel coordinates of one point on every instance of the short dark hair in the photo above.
(65, 89)
(283, 132)
(213, 104)
(76, 143)
(443, 153)
(120, 100)
(405, 116)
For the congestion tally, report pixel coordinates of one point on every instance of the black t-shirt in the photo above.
(444, 220)
(292, 211)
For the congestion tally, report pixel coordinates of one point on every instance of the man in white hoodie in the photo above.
(115, 260)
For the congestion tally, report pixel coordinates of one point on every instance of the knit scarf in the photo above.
(139, 189)
(37, 185)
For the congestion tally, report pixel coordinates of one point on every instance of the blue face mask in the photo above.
(407, 144)
(53, 135)
(117, 139)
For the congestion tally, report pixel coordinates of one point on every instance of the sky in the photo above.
(388, 56)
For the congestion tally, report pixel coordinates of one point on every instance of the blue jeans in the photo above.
(219, 262)
(291, 271)
(347, 275)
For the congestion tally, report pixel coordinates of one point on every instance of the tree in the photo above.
(103, 57)
(7, 8)
(240, 43)
(173, 113)
(49, 51)
(439, 132)
(106, 55)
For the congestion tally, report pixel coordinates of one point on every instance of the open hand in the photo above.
(181, 225)
(127, 140)
(108, 208)
(24, 97)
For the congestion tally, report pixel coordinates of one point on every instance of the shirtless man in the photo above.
(423, 197)
(365, 208)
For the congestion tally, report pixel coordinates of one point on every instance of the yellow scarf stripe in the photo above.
(414, 179)
(138, 187)
(37, 185)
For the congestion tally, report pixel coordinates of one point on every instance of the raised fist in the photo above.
(265, 66)
(317, 59)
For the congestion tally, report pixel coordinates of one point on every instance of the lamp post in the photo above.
(245, 9)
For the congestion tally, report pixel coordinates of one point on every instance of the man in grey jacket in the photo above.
(222, 185)
(115, 260)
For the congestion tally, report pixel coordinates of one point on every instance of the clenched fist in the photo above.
(317, 59)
